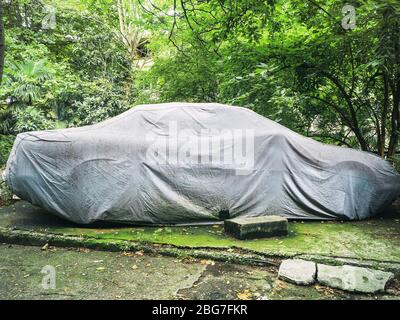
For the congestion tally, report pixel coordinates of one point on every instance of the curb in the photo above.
(232, 255)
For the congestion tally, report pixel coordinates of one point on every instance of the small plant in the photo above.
(5, 191)
(395, 161)
(6, 142)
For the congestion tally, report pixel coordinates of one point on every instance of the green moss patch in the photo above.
(375, 240)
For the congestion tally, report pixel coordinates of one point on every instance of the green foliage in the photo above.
(5, 194)
(31, 119)
(26, 81)
(291, 61)
(395, 161)
(189, 78)
(99, 101)
(6, 143)
(75, 74)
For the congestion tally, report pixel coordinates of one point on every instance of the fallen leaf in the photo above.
(134, 267)
(280, 285)
(127, 254)
(207, 262)
(245, 295)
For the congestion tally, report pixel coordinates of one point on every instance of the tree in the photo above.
(125, 16)
(61, 74)
(343, 83)
(27, 81)
(1, 42)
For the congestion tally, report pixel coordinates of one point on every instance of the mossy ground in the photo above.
(377, 239)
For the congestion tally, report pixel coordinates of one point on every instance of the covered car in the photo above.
(185, 163)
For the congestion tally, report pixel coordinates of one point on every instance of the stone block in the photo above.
(351, 278)
(298, 271)
(256, 227)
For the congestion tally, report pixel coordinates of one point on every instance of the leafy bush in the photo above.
(99, 100)
(95, 109)
(6, 143)
(60, 77)
(395, 161)
(5, 191)
(31, 119)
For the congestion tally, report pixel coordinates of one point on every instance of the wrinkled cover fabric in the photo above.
(109, 171)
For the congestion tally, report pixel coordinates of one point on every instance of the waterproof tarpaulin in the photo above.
(181, 163)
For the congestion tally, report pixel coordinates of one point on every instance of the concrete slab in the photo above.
(85, 274)
(352, 278)
(256, 227)
(298, 271)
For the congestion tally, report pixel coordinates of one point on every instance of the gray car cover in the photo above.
(185, 163)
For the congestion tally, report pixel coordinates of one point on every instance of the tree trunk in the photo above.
(382, 136)
(395, 120)
(1, 42)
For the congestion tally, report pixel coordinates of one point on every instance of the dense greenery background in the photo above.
(291, 61)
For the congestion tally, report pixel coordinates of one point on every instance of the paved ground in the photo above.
(85, 274)
(376, 240)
